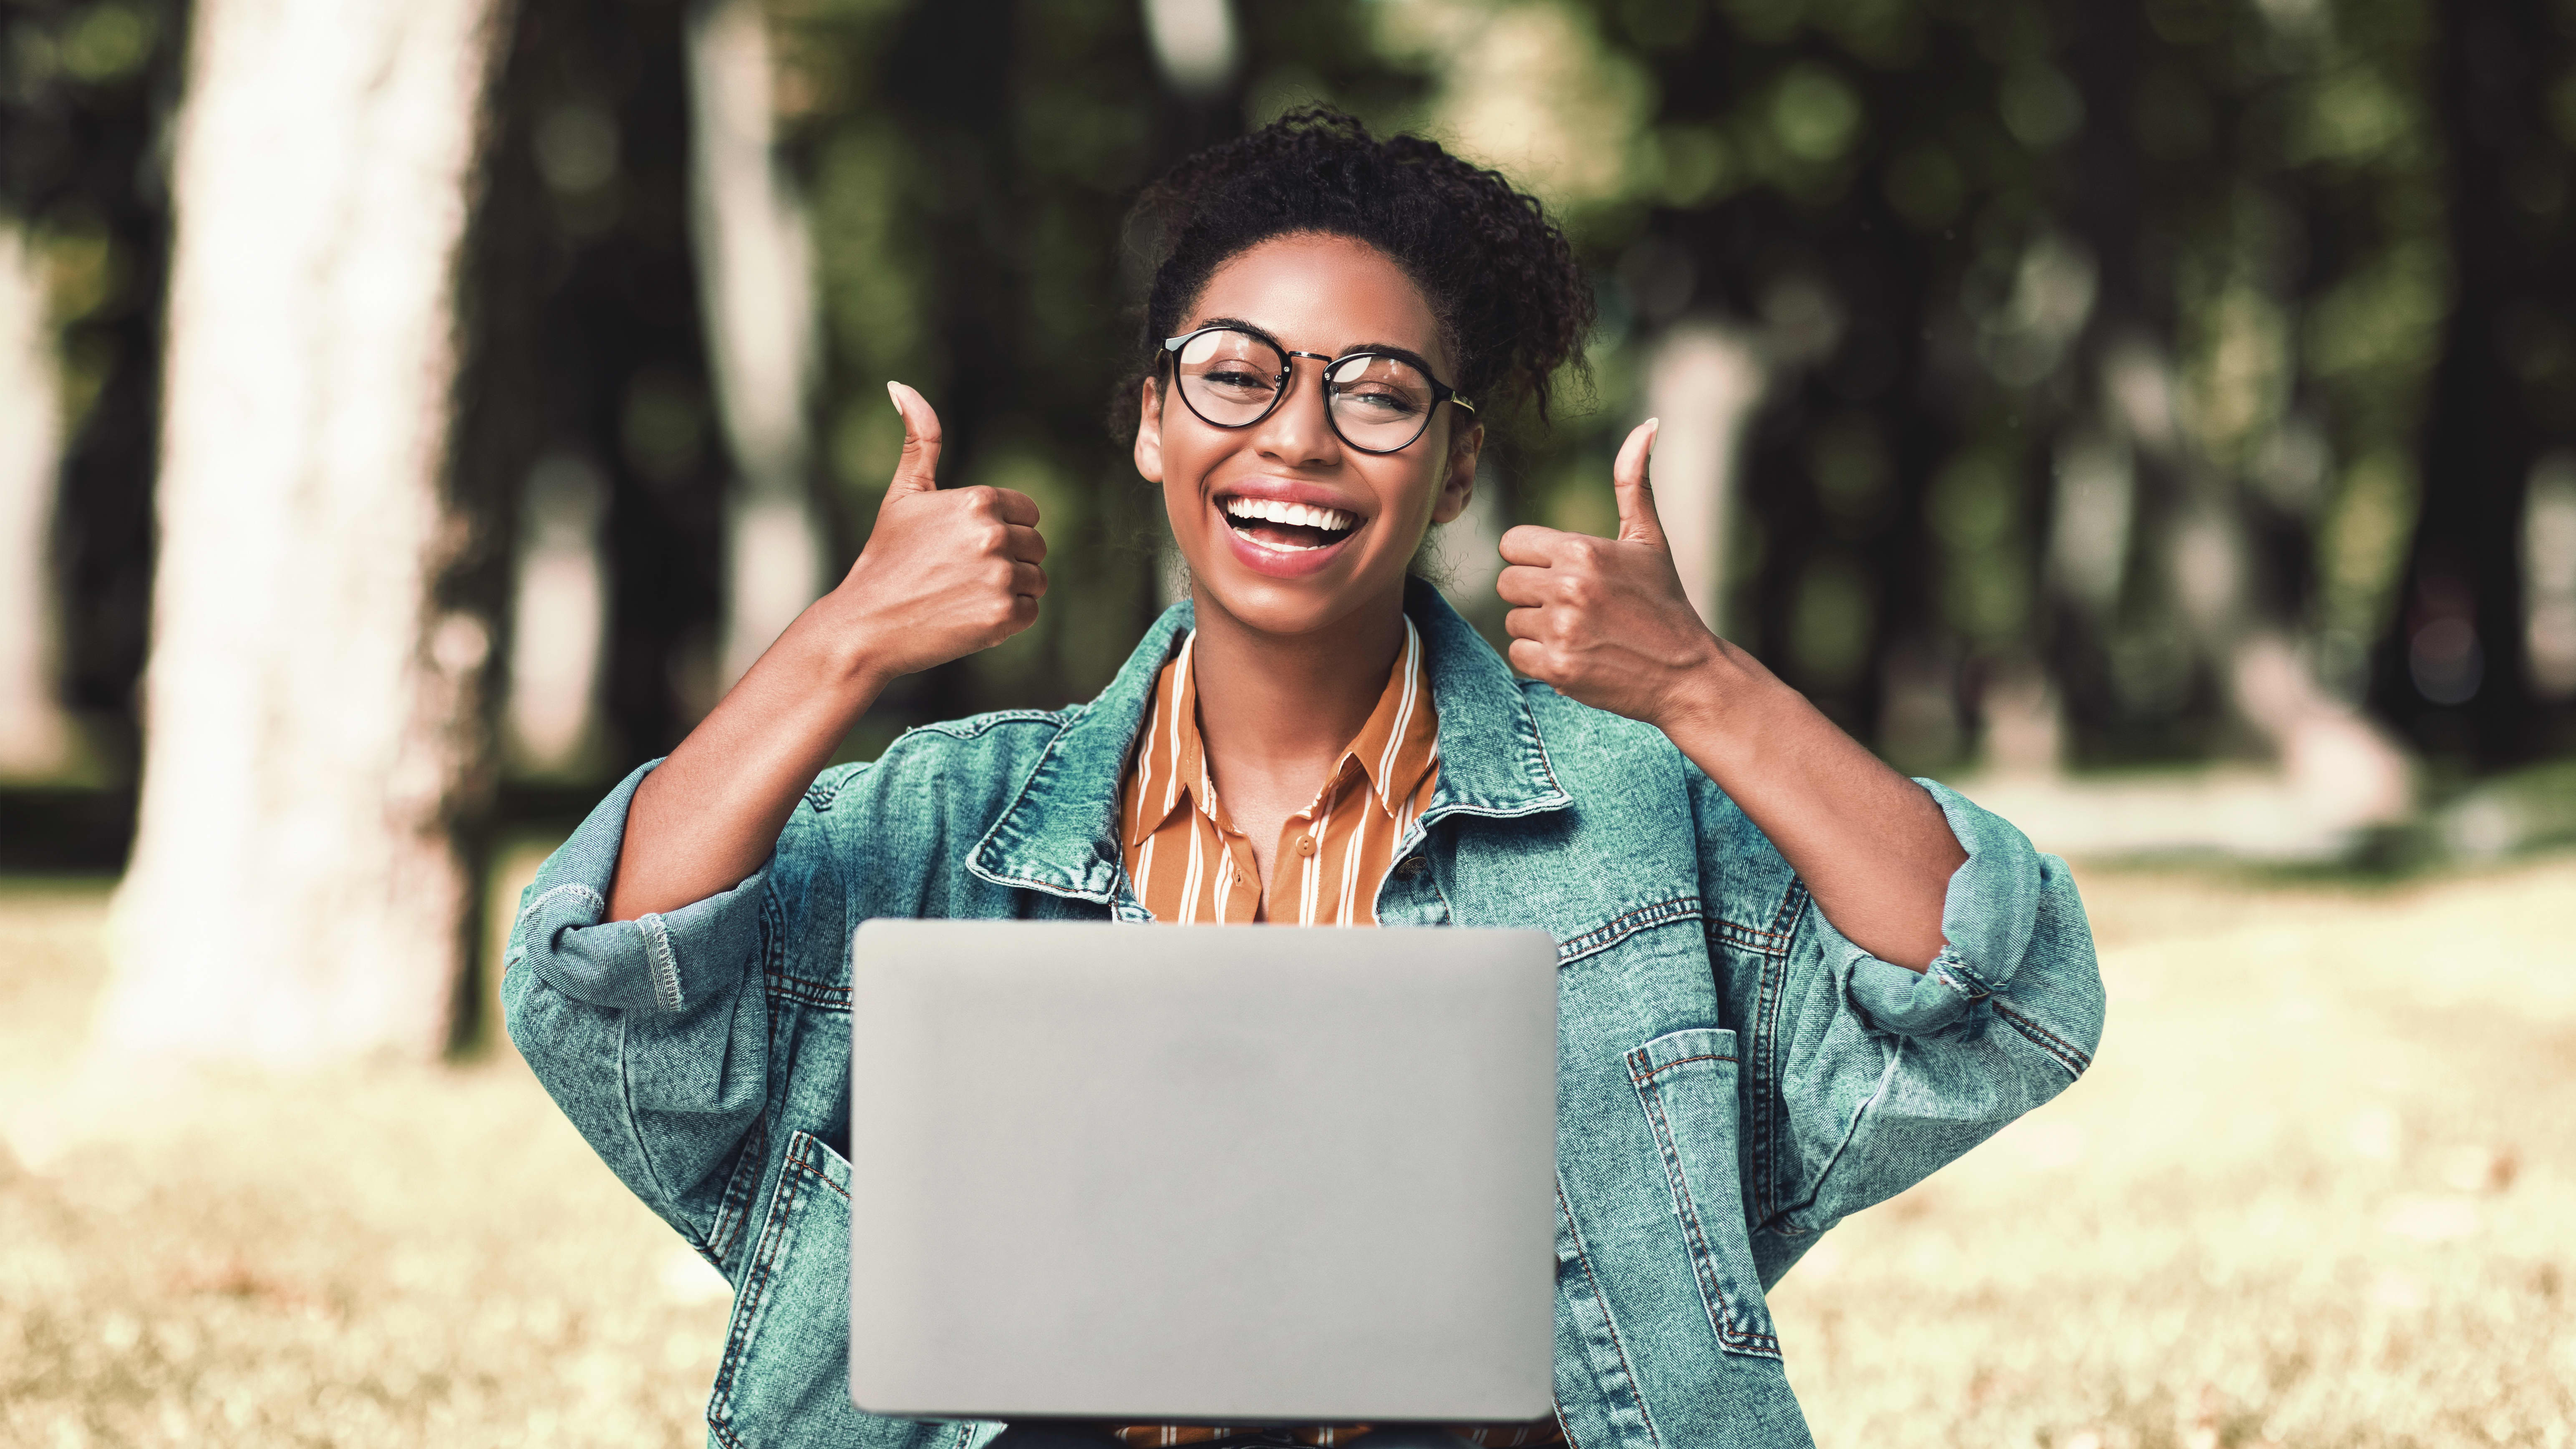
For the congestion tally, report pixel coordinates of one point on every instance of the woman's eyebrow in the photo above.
(1204, 323)
(1383, 349)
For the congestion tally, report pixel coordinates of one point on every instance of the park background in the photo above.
(2157, 417)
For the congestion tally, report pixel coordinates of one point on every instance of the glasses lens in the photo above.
(1381, 403)
(1228, 377)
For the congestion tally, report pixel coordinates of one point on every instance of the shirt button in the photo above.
(1305, 845)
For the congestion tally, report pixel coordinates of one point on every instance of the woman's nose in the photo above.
(1297, 433)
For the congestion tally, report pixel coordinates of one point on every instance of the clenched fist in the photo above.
(1605, 620)
(945, 572)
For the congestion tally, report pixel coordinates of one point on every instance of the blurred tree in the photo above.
(755, 268)
(969, 167)
(2091, 379)
(316, 723)
(2456, 665)
(86, 91)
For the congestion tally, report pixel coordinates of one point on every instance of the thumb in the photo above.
(1637, 520)
(916, 471)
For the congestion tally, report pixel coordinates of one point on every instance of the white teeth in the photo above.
(1280, 510)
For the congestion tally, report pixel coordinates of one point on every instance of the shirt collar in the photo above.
(1060, 832)
(1396, 745)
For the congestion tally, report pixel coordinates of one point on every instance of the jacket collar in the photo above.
(1060, 832)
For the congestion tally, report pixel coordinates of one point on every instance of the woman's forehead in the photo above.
(1326, 294)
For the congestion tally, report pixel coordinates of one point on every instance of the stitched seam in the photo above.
(658, 957)
(1784, 922)
(752, 1296)
(1621, 927)
(2068, 1055)
(1628, 1370)
(1703, 1261)
(1771, 1130)
(572, 887)
(1721, 1317)
(735, 1205)
(1769, 1114)
(1675, 1062)
(1749, 937)
(981, 724)
(804, 1158)
(806, 991)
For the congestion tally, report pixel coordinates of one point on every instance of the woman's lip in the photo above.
(1282, 563)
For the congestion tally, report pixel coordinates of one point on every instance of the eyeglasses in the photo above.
(1377, 402)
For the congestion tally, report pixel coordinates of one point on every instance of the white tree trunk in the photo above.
(756, 276)
(34, 740)
(1703, 382)
(295, 892)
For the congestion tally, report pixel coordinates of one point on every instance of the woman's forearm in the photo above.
(1871, 845)
(946, 571)
(708, 815)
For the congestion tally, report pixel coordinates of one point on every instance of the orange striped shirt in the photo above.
(1190, 866)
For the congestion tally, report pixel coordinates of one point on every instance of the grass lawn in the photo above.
(2317, 1191)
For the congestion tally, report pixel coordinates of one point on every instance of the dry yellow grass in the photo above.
(2317, 1191)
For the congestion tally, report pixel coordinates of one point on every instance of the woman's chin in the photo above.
(1305, 603)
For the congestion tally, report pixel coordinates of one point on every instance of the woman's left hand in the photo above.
(1605, 620)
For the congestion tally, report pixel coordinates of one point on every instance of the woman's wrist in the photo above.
(1720, 712)
(833, 647)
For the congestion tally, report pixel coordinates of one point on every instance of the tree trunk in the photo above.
(756, 282)
(33, 738)
(314, 713)
(2453, 668)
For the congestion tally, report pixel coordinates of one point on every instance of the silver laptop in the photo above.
(1214, 1174)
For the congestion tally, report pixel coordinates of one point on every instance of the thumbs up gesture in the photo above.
(946, 572)
(1605, 620)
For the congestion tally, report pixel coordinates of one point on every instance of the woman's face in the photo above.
(1327, 295)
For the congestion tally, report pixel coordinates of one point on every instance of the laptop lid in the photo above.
(1216, 1174)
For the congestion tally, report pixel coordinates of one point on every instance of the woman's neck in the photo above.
(1277, 709)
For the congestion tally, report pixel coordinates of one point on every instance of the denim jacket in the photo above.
(1734, 1076)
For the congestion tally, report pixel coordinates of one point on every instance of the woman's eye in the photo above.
(1386, 402)
(1239, 378)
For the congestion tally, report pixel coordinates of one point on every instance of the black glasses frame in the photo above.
(1441, 392)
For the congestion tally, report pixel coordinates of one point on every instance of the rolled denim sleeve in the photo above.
(666, 961)
(642, 1030)
(1891, 1073)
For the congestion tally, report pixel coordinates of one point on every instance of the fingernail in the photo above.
(894, 392)
(1654, 425)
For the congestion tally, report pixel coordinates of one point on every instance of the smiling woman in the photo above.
(1793, 983)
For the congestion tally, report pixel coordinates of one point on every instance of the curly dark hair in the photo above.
(1500, 277)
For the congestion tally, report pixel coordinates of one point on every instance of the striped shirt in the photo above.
(1190, 866)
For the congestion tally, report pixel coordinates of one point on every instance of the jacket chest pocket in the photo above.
(1686, 1083)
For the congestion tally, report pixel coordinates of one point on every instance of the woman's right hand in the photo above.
(946, 572)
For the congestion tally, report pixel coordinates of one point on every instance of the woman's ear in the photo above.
(1149, 432)
(1458, 484)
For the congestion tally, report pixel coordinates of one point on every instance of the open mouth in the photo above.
(1275, 523)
